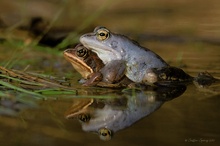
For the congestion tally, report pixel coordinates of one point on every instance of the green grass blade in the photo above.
(21, 81)
(55, 92)
(20, 89)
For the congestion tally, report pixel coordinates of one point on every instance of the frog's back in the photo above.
(136, 53)
(145, 58)
(139, 60)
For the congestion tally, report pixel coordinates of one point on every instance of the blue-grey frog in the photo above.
(141, 64)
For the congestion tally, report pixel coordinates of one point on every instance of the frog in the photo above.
(91, 68)
(142, 65)
(106, 116)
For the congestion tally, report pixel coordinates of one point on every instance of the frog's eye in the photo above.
(102, 34)
(82, 52)
(105, 134)
(84, 117)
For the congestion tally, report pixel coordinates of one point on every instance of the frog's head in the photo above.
(94, 117)
(107, 45)
(79, 109)
(83, 60)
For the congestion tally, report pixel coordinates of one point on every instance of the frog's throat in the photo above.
(78, 108)
(79, 65)
(106, 54)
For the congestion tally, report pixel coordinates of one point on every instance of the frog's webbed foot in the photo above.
(167, 76)
(94, 79)
(204, 79)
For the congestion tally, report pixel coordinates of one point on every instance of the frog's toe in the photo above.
(204, 79)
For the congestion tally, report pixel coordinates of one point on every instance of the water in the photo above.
(191, 118)
(168, 119)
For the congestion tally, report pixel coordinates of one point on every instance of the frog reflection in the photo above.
(106, 116)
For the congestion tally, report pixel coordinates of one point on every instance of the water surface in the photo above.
(188, 30)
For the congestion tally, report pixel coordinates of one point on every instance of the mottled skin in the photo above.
(91, 67)
(83, 60)
(88, 64)
(112, 47)
(108, 115)
(142, 65)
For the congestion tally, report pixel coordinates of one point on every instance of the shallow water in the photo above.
(191, 118)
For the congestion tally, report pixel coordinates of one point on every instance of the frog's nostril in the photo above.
(69, 51)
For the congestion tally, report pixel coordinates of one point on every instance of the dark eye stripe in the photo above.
(82, 52)
(84, 117)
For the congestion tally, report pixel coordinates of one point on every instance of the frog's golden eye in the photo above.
(82, 52)
(105, 134)
(84, 117)
(102, 34)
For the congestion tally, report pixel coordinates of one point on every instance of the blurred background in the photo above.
(161, 25)
(184, 18)
(186, 34)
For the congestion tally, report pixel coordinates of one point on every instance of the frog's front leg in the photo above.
(113, 71)
(94, 79)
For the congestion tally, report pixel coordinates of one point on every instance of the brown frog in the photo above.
(88, 64)
(91, 67)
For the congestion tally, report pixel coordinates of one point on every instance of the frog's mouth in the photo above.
(77, 63)
(104, 52)
(78, 107)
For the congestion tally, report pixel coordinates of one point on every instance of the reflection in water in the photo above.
(9, 107)
(107, 116)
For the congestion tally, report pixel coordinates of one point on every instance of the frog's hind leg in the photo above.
(167, 76)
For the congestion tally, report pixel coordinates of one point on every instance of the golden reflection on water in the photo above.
(191, 118)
